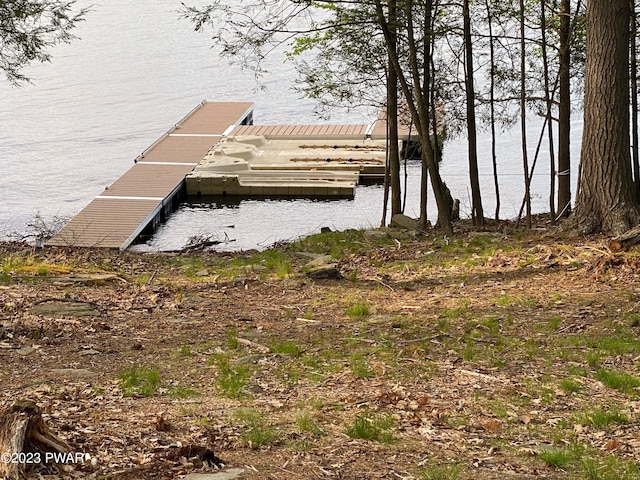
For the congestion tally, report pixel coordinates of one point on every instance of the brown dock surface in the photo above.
(284, 131)
(118, 216)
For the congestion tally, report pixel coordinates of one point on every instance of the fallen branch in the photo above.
(626, 240)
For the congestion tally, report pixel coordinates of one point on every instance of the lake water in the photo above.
(135, 71)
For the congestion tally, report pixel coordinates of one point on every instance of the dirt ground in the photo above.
(492, 355)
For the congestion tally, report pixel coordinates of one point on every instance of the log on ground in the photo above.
(24, 431)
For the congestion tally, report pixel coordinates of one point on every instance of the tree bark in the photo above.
(477, 213)
(392, 118)
(492, 86)
(523, 121)
(633, 60)
(606, 201)
(564, 112)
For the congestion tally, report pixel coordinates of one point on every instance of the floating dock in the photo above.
(218, 150)
(298, 165)
(148, 192)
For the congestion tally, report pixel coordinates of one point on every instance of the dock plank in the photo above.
(213, 118)
(179, 149)
(311, 130)
(106, 223)
(148, 180)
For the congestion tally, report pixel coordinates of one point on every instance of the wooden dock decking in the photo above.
(147, 192)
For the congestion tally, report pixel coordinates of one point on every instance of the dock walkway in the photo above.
(147, 193)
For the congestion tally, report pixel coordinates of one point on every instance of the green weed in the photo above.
(600, 418)
(609, 468)
(557, 457)
(183, 392)
(436, 471)
(258, 433)
(232, 379)
(377, 429)
(306, 424)
(360, 368)
(358, 310)
(620, 381)
(569, 385)
(287, 347)
(185, 350)
(142, 382)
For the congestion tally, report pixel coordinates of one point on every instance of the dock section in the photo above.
(147, 193)
(288, 164)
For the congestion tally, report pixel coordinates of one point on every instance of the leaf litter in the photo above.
(476, 354)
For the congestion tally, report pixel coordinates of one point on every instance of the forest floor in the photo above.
(499, 354)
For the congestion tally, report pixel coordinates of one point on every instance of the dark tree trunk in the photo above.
(477, 213)
(547, 96)
(606, 200)
(634, 100)
(564, 112)
(492, 90)
(392, 111)
(523, 122)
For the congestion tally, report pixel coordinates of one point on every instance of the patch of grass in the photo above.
(557, 457)
(139, 382)
(618, 344)
(182, 392)
(360, 368)
(600, 418)
(185, 350)
(287, 347)
(435, 471)
(258, 433)
(358, 310)
(232, 339)
(620, 381)
(594, 359)
(232, 379)
(371, 428)
(569, 385)
(306, 424)
(609, 468)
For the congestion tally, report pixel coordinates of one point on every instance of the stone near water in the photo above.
(403, 221)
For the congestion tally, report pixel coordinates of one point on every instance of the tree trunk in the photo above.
(523, 121)
(492, 88)
(564, 112)
(392, 119)
(634, 101)
(477, 213)
(549, 113)
(606, 201)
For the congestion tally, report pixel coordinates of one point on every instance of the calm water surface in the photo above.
(136, 70)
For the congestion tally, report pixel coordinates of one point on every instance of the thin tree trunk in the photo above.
(492, 92)
(634, 100)
(564, 111)
(392, 118)
(416, 90)
(523, 122)
(477, 213)
(547, 95)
